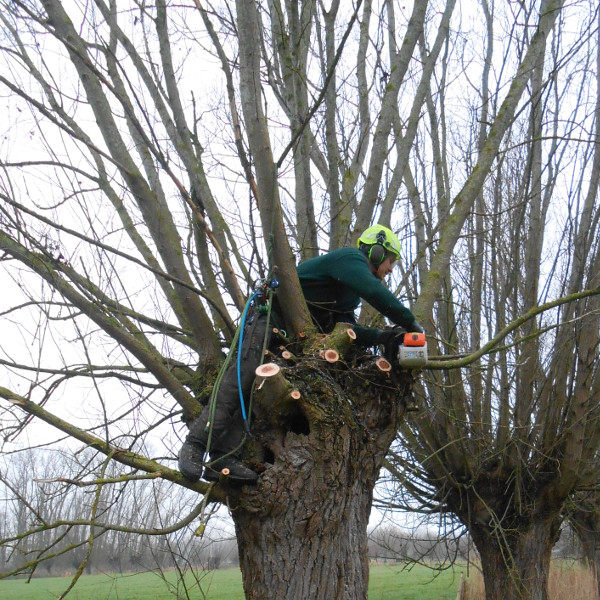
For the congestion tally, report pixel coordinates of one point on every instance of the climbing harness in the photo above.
(262, 296)
(262, 299)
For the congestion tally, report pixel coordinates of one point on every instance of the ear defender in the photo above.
(377, 251)
(377, 254)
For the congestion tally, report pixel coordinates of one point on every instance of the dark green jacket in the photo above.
(333, 285)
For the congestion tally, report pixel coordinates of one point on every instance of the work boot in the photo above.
(190, 460)
(238, 473)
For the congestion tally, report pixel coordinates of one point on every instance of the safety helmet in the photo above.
(378, 241)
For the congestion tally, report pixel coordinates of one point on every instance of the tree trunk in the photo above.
(302, 531)
(585, 520)
(312, 541)
(591, 551)
(516, 561)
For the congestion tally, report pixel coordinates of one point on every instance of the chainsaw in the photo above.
(412, 351)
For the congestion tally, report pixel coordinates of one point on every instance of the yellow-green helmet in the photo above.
(379, 237)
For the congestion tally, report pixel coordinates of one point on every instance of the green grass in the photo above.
(414, 583)
(386, 583)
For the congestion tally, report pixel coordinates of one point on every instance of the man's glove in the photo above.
(414, 327)
(385, 336)
(391, 340)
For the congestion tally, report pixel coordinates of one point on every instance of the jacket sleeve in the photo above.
(357, 276)
(365, 336)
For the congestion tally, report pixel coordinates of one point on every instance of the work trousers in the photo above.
(227, 424)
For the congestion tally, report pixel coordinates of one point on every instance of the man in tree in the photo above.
(333, 285)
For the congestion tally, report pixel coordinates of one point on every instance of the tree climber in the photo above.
(333, 285)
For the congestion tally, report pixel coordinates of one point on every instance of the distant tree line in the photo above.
(390, 543)
(45, 515)
(441, 548)
(48, 520)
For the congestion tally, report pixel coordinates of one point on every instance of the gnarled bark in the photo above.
(302, 530)
(516, 563)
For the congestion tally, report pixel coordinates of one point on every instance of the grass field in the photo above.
(386, 583)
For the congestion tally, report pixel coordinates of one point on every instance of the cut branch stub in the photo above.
(339, 340)
(269, 355)
(280, 334)
(383, 365)
(274, 393)
(331, 355)
(289, 356)
(270, 380)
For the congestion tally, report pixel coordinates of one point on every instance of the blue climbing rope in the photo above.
(239, 358)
